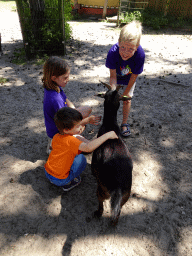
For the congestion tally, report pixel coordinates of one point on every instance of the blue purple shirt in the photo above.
(124, 69)
(53, 101)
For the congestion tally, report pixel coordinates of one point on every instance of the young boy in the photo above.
(125, 60)
(65, 163)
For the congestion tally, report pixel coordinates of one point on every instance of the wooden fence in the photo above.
(178, 8)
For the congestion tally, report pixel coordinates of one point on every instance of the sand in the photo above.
(37, 218)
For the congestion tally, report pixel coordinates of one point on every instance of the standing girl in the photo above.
(55, 77)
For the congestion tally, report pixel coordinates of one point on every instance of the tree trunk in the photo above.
(37, 8)
(20, 9)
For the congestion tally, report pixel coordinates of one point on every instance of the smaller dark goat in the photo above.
(111, 162)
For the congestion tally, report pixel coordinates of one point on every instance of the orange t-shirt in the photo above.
(64, 149)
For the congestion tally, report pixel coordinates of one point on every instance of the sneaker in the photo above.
(72, 184)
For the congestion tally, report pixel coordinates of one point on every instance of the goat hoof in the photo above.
(97, 214)
(114, 222)
(88, 219)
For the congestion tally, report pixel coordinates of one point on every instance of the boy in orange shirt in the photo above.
(65, 162)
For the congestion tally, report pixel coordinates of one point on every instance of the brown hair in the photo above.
(54, 66)
(66, 118)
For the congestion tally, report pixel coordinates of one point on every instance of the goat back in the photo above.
(112, 165)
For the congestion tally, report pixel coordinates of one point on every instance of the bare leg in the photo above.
(85, 111)
(126, 111)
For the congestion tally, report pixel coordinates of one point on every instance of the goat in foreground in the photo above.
(111, 162)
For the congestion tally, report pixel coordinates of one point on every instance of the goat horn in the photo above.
(118, 87)
(107, 85)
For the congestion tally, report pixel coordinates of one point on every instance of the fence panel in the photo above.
(174, 7)
(141, 4)
(180, 8)
(159, 5)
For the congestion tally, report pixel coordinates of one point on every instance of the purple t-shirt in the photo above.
(53, 101)
(124, 69)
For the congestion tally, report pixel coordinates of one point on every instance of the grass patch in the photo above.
(3, 80)
(8, 5)
(40, 60)
(19, 57)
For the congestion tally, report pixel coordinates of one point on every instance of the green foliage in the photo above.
(3, 80)
(19, 57)
(43, 29)
(155, 19)
(128, 17)
(8, 5)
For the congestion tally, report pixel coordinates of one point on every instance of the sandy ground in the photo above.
(37, 218)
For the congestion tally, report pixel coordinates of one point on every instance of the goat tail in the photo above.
(116, 199)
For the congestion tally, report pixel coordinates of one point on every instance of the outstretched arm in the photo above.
(92, 145)
(132, 80)
(91, 120)
(113, 79)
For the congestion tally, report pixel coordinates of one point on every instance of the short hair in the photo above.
(66, 118)
(54, 66)
(131, 32)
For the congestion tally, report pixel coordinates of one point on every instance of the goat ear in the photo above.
(107, 85)
(125, 98)
(101, 94)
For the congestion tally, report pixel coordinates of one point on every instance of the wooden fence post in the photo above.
(105, 9)
(0, 43)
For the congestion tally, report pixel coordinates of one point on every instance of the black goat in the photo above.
(111, 162)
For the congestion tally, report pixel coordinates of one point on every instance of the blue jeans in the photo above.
(77, 168)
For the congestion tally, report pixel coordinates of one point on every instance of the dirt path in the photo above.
(36, 217)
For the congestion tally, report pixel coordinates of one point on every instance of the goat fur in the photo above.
(111, 162)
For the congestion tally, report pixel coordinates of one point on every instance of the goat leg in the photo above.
(102, 194)
(125, 197)
(99, 212)
(115, 221)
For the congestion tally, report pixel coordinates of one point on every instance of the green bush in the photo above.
(128, 17)
(42, 28)
(155, 19)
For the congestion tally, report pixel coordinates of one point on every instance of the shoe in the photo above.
(127, 132)
(72, 184)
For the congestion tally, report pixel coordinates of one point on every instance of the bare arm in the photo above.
(130, 84)
(91, 120)
(113, 79)
(92, 145)
(69, 103)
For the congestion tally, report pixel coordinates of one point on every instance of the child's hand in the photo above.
(95, 120)
(126, 95)
(112, 135)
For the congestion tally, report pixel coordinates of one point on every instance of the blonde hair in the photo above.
(54, 66)
(131, 32)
